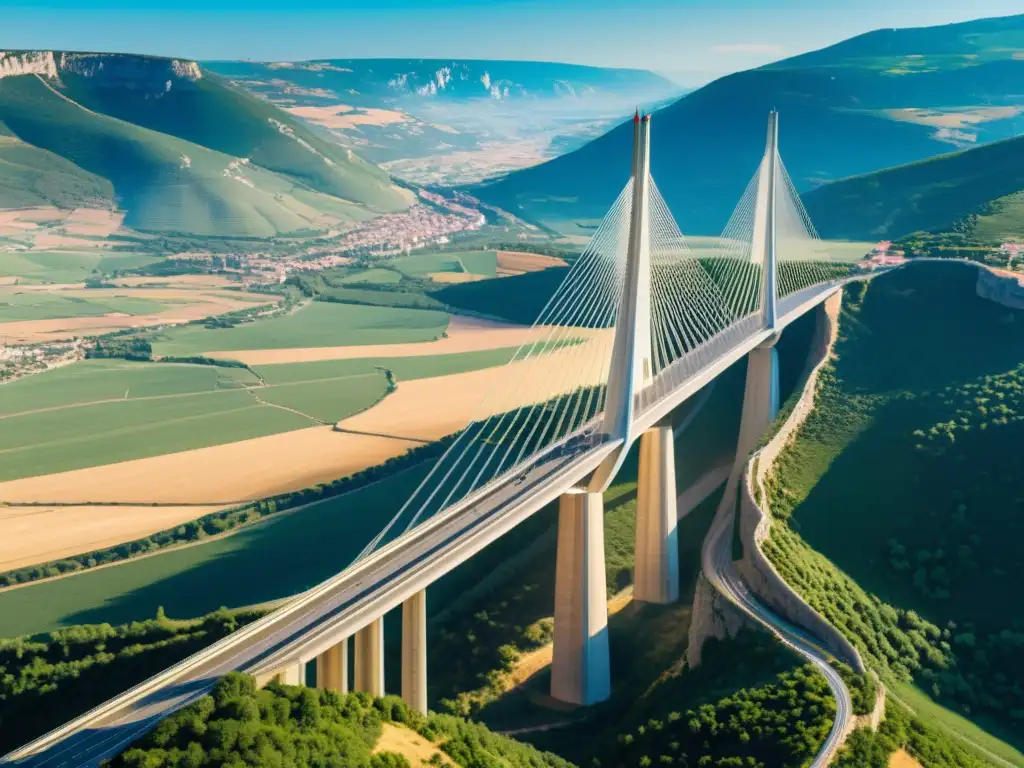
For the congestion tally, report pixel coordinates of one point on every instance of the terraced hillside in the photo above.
(183, 151)
(978, 190)
(878, 100)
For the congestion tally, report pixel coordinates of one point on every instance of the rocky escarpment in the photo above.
(27, 63)
(1002, 288)
(113, 69)
(712, 616)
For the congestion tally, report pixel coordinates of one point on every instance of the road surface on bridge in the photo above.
(326, 613)
(316, 620)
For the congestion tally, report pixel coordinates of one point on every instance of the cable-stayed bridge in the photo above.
(641, 322)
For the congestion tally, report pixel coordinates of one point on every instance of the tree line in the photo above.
(48, 679)
(296, 727)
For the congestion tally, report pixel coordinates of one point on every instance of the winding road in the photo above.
(718, 568)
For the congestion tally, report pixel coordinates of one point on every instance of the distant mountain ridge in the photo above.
(182, 148)
(981, 189)
(451, 121)
(365, 82)
(845, 110)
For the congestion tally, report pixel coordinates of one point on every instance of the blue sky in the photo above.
(690, 40)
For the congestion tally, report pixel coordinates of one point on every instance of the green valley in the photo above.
(924, 404)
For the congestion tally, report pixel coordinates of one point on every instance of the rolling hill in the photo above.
(183, 151)
(983, 185)
(881, 99)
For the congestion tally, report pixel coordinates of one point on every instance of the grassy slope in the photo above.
(924, 401)
(1001, 220)
(928, 195)
(318, 324)
(213, 113)
(30, 176)
(159, 189)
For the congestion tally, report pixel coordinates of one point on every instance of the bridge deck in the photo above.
(340, 606)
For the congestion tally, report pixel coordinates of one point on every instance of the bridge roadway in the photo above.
(346, 603)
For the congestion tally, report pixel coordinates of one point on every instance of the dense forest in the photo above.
(49, 679)
(297, 727)
(906, 476)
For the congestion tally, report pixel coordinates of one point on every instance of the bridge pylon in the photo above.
(631, 364)
(763, 251)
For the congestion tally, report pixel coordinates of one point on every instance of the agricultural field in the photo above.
(32, 314)
(100, 412)
(66, 266)
(50, 305)
(307, 546)
(317, 324)
(446, 267)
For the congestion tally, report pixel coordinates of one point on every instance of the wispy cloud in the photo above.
(768, 49)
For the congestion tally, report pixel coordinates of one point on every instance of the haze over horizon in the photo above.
(690, 41)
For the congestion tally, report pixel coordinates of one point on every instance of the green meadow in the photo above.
(317, 324)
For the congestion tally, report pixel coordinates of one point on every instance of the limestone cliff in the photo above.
(115, 69)
(27, 63)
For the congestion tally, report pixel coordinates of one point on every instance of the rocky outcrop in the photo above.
(146, 73)
(712, 616)
(27, 63)
(757, 571)
(1001, 288)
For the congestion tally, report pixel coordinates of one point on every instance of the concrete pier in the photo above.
(294, 674)
(580, 669)
(414, 651)
(369, 667)
(332, 668)
(656, 569)
(760, 398)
